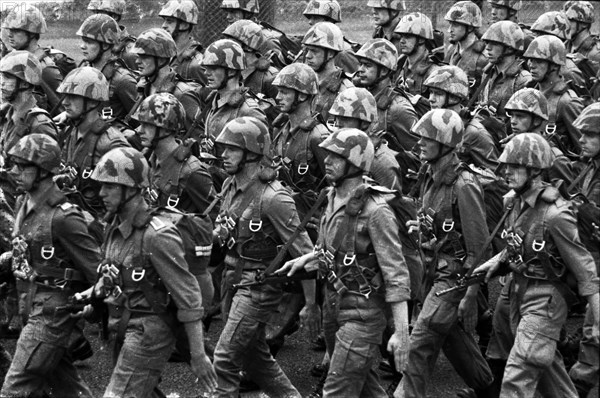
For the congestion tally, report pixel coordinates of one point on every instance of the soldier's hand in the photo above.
(310, 318)
(87, 312)
(490, 266)
(297, 264)
(313, 223)
(205, 372)
(398, 345)
(413, 226)
(467, 312)
(85, 295)
(61, 118)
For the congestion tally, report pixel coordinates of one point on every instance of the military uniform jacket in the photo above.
(260, 78)
(471, 59)
(385, 168)
(46, 95)
(412, 75)
(396, 116)
(477, 146)
(502, 84)
(122, 92)
(330, 86)
(188, 62)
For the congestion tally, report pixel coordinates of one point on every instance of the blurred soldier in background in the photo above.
(386, 16)
(240, 9)
(583, 44)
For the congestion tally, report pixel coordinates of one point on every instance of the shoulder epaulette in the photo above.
(157, 223)
(66, 206)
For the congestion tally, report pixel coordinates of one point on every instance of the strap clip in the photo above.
(47, 252)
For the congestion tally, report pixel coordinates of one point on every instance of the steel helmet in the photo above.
(588, 121)
(161, 110)
(466, 13)
(379, 51)
(326, 8)
(225, 53)
(86, 82)
(326, 35)
(442, 125)
(247, 32)
(299, 77)
(451, 79)
(529, 150)
(417, 24)
(23, 65)
(395, 5)
(553, 23)
(581, 11)
(356, 103)
(507, 33)
(353, 145)
(25, 17)
(101, 28)
(156, 42)
(244, 5)
(113, 6)
(247, 133)
(39, 149)
(547, 48)
(514, 5)
(528, 100)
(123, 166)
(184, 10)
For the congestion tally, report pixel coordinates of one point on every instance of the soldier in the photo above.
(448, 89)
(386, 16)
(466, 50)
(504, 10)
(543, 246)
(396, 115)
(224, 61)
(240, 9)
(99, 34)
(259, 73)
(25, 24)
(179, 18)
(452, 230)
(155, 47)
(504, 74)
(257, 215)
(87, 136)
(58, 258)
(582, 43)
(545, 57)
(323, 42)
(415, 31)
(358, 251)
(584, 372)
(145, 281)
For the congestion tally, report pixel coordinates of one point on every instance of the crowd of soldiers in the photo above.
(366, 193)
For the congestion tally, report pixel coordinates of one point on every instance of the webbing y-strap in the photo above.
(580, 176)
(218, 198)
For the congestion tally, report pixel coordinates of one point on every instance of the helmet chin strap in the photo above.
(79, 119)
(124, 199)
(347, 175)
(101, 52)
(325, 61)
(527, 185)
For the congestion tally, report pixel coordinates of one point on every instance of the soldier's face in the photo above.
(520, 122)
(232, 158)
(499, 14)
(215, 76)
(494, 51)
(456, 32)
(408, 43)
(285, 99)
(437, 98)
(590, 144)
(110, 194)
(74, 106)
(147, 132)
(146, 64)
(538, 68)
(24, 176)
(90, 49)
(169, 24)
(232, 15)
(367, 73)
(344, 122)
(315, 57)
(8, 85)
(18, 39)
(516, 176)
(335, 167)
(381, 16)
(430, 149)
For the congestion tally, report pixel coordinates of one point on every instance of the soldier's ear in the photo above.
(302, 97)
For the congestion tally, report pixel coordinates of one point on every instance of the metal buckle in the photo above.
(137, 274)
(504, 234)
(538, 246)
(68, 275)
(107, 113)
(47, 252)
(60, 283)
(230, 243)
(448, 225)
(331, 276)
(117, 291)
(255, 226)
(550, 128)
(172, 202)
(86, 173)
(230, 223)
(349, 259)
(302, 168)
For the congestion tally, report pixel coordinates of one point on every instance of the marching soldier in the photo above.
(543, 249)
(145, 281)
(386, 15)
(53, 257)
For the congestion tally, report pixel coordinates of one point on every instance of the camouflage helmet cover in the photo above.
(395, 5)
(466, 13)
(23, 65)
(506, 32)
(123, 166)
(39, 149)
(161, 110)
(87, 82)
(581, 11)
(325, 35)
(451, 79)
(247, 133)
(156, 42)
(381, 52)
(101, 28)
(529, 150)
(356, 103)
(244, 5)
(553, 23)
(299, 77)
(441, 125)
(113, 6)
(247, 32)
(184, 10)
(547, 48)
(588, 121)
(326, 8)
(417, 24)
(528, 100)
(353, 145)
(514, 5)
(25, 17)
(225, 53)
